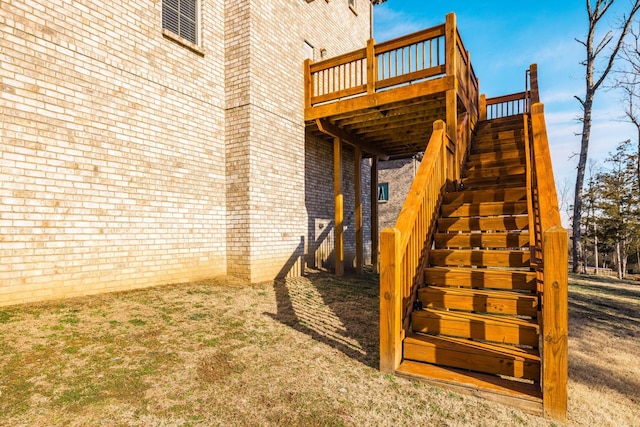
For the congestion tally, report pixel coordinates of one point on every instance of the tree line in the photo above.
(606, 209)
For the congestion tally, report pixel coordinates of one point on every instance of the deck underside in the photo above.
(396, 123)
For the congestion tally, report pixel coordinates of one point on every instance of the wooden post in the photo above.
(308, 83)
(371, 66)
(357, 165)
(483, 107)
(535, 93)
(555, 323)
(374, 214)
(390, 302)
(450, 33)
(339, 208)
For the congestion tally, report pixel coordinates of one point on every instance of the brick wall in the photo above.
(399, 175)
(129, 159)
(112, 162)
(275, 230)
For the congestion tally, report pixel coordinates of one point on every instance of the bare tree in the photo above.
(629, 83)
(593, 81)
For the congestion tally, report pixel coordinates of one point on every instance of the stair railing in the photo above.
(404, 248)
(549, 242)
(514, 104)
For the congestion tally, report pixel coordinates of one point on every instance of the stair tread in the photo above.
(484, 223)
(469, 346)
(481, 257)
(481, 278)
(495, 293)
(458, 210)
(496, 195)
(479, 300)
(468, 240)
(487, 319)
(476, 356)
(496, 171)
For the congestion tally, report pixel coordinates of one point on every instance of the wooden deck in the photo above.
(477, 258)
(385, 98)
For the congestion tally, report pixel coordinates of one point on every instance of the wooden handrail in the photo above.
(431, 53)
(403, 249)
(550, 246)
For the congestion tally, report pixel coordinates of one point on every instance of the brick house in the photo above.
(151, 142)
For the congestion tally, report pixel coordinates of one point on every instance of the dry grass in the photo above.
(301, 352)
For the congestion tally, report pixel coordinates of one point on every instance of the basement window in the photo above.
(383, 192)
(181, 18)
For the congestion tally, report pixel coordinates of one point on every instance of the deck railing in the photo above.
(550, 254)
(403, 249)
(432, 53)
(515, 104)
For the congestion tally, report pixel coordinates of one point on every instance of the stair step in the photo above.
(499, 134)
(502, 122)
(490, 172)
(497, 145)
(480, 258)
(493, 156)
(491, 195)
(486, 301)
(492, 164)
(482, 327)
(482, 240)
(476, 356)
(481, 278)
(523, 395)
(489, 223)
(505, 181)
(484, 209)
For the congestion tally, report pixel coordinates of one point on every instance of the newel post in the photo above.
(483, 107)
(450, 47)
(390, 301)
(371, 66)
(535, 92)
(555, 323)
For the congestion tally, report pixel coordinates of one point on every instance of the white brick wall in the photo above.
(129, 160)
(282, 205)
(112, 149)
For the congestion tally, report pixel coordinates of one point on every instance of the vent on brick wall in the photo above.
(180, 17)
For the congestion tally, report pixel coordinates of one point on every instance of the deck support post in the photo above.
(555, 324)
(338, 207)
(391, 332)
(357, 165)
(374, 214)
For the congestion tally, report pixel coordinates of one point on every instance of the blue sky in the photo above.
(504, 38)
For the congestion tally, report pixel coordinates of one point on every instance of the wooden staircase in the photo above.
(475, 322)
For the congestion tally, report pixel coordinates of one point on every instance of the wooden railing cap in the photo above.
(537, 108)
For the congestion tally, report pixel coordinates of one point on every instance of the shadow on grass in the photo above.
(607, 286)
(341, 312)
(611, 307)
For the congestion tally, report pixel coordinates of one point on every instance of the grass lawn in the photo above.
(299, 352)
